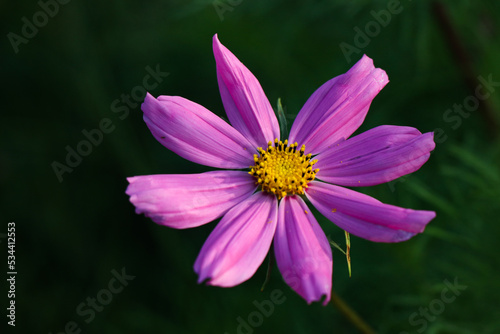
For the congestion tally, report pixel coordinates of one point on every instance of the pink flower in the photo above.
(267, 202)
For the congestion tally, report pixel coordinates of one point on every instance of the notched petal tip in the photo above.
(204, 280)
(324, 300)
(131, 179)
(148, 99)
(318, 293)
(432, 143)
(379, 75)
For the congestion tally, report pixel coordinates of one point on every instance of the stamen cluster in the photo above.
(283, 170)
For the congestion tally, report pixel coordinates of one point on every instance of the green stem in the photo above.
(351, 315)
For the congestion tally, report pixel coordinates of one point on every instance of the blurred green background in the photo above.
(71, 235)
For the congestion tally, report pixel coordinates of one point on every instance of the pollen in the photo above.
(283, 169)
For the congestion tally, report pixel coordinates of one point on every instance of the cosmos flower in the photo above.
(261, 194)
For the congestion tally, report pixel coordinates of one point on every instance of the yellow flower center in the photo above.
(283, 170)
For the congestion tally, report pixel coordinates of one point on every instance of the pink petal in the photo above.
(195, 133)
(364, 216)
(379, 155)
(247, 107)
(239, 243)
(338, 107)
(303, 254)
(183, 201)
